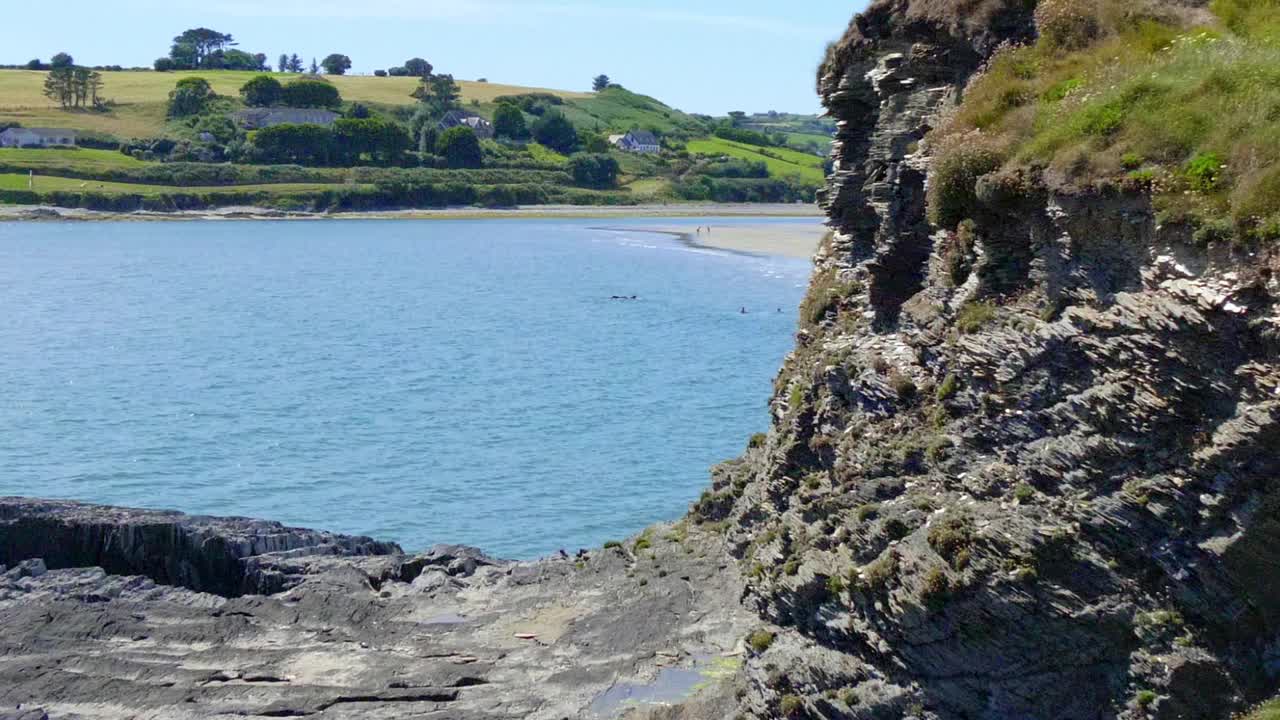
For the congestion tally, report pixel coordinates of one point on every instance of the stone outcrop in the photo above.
(1022, 470)
(356, 629)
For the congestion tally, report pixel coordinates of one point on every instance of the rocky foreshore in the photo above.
(117, 613)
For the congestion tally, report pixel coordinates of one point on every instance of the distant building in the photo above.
(37, 137)
(637, 141)
(258, 118)
(457, 118)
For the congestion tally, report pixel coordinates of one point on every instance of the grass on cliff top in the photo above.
(1268, 711)
(1186, 103)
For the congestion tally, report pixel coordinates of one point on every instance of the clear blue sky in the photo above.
(709, 56)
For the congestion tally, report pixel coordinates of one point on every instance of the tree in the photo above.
(379, 73)
(439, 92)
(556, 132)
(737, 118)
(61, 60)
(418, 67)
(262, 91)
(384, 141)
(57, 86)
(299, 144)
(165, 64)
(35, 65)
(283, 64)
(593, 142)
(460, 148)
(594, 170)
(198, 44)
(336, 64)
(190, 97)
(236, 60)
(398, 72)
(73, 87)
(295, 63)
(601, 82)
(303, 93)
(315, 69)
(508, 122)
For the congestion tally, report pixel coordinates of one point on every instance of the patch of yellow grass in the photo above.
(140, 97)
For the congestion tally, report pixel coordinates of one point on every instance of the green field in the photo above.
(11, 181)
(783, 162)
(87, 158)
(139, 97)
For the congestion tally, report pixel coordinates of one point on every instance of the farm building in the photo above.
(258, 118)
(37, 137)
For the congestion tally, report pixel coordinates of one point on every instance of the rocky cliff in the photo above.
(1021, 469)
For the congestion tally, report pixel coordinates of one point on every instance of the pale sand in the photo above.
(798, 240)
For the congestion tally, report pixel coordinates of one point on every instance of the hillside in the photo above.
(135, 117)
(139, 98)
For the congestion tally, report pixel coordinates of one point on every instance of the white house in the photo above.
(637, 141)
(37, 137)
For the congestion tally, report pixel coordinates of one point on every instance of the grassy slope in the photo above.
(140, 97)
(1191, 110)
(786, 162)
(55, 157)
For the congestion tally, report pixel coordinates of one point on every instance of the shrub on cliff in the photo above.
(959, 163)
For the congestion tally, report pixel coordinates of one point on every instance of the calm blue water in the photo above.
(443, 381)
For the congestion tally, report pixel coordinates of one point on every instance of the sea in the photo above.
(444, 381)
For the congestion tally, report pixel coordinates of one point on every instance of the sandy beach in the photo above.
(798, 240)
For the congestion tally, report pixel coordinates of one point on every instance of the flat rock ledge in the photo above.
(120, 613)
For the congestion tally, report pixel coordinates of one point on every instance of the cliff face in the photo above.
(1026, 469)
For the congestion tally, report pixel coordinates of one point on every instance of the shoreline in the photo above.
(29, 213)
(791, 241)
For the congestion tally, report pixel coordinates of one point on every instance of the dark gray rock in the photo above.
(348, 636)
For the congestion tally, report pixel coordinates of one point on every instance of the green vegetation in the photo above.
(1024, 493)
(974, 316)
(1145, 698)
(935, 588)
(791, 705)
(949, 387)
(826, 292)
(761, 640)
(1118, 92)
(951, 535)
(1267, 711)
(780, 162)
